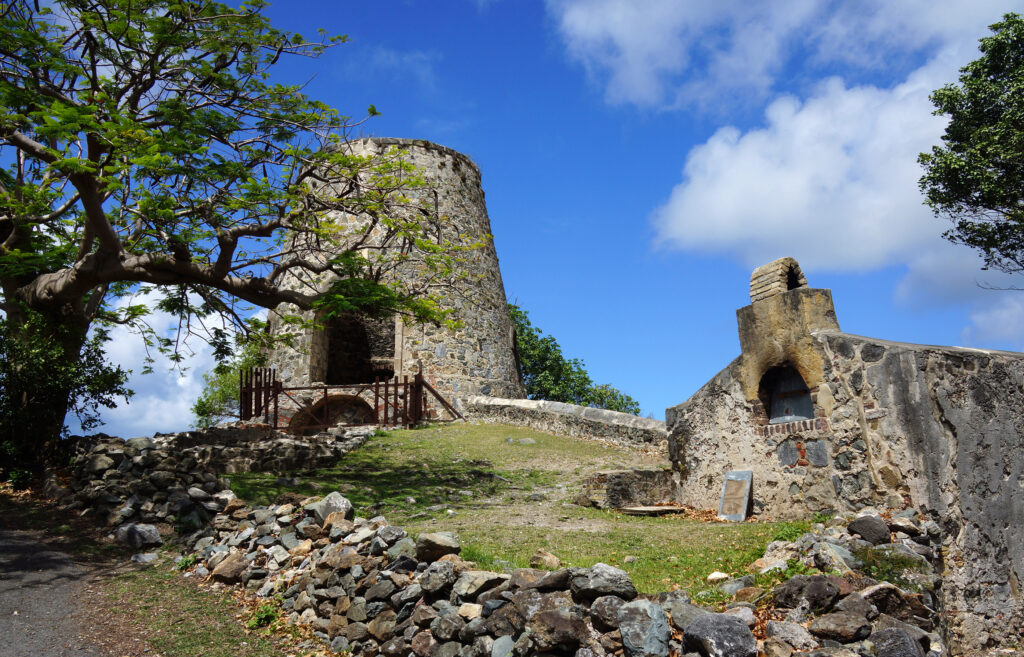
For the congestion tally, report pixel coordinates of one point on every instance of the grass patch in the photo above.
(182, 620)
(669, 552)
(404, 473)
(506, 491)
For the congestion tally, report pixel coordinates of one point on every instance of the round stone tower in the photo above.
(476, 359)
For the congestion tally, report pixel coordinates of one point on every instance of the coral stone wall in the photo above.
(896, 425)
(477, 358)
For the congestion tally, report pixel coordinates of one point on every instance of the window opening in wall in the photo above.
(359, 349)
(785, 396)
(792, 279)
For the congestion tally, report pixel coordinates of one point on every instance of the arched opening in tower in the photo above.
(785, 395)
(359, 349)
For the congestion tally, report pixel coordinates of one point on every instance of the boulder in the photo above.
(433, 546)
(231, 568)
(474, 582)
(604, 612)
(644, 628)
(332, 503)
(718, 635)
(545, 560)
(438, 576)
(138, 535)
(796, 636)
(562, 630)
(819, 591)
(841, 626)
(896, 642)
(601, 579)
(871, 528)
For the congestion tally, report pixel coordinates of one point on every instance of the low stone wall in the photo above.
(570, 420)
(179, 477)
(615, 489)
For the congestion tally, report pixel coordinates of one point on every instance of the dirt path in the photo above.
(39, 599)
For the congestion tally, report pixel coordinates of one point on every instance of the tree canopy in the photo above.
(146, 149)
(976, 177)
(548, 374)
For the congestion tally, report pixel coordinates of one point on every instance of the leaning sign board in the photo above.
(736, 496)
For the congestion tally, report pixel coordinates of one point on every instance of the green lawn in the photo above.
(507, 491)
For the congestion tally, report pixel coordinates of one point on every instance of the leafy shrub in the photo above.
(186, 562)
(264, 614)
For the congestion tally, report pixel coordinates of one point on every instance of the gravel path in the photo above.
(38, 597)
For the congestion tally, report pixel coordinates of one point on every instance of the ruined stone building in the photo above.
(828, 420)
(476, 359)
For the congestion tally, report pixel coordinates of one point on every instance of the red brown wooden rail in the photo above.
(395, 402)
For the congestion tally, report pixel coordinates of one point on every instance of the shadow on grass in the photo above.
(374, 478)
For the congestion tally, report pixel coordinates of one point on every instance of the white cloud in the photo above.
(674, 53)
(163, 399)
(1000, 322)
(415, 65)
(831, 180)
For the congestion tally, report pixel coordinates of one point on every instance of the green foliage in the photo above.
(888, 566)
(822, 517)
(219, 399)
(35, 373)
(976, 177)
(775, 577)
(186, 562)
(789, 532)
(264, 614)
(547, 374)
(148, 163)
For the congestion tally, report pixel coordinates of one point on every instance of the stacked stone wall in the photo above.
(899, 425)
(571, 420)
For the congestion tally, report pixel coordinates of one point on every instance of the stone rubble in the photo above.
(367, 587)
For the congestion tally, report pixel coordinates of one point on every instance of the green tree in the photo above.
(30, 356)
(976, 177)
(145, 148)
(219, 399)
(547, 374)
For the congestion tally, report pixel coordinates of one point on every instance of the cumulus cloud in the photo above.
(840, 164)
(163, 399)
(670, 53)
(1001, 322)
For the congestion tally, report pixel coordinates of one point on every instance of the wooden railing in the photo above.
(395, 402)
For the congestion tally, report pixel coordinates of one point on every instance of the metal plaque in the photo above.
(737, 496)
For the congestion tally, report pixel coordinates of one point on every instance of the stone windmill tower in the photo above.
(476, 359)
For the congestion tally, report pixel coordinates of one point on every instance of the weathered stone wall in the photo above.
(937, 428)
(570, 420)
(477, 358)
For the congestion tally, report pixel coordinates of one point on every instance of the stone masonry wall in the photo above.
(897, 425)
(570, 420)
(477, 358)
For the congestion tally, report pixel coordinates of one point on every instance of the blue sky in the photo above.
(640, 158)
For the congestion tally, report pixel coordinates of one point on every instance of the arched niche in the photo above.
(340, 409)
(785, 396)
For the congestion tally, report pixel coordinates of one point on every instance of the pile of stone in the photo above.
(846, 613)
(366, 587)
(176, 478)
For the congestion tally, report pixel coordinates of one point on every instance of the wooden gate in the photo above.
(301, 409)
